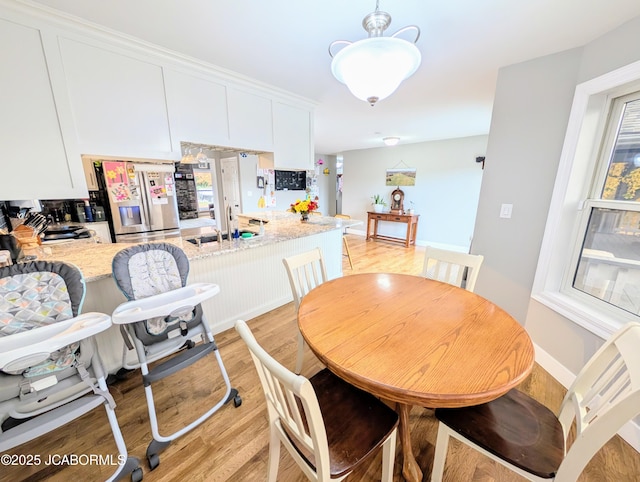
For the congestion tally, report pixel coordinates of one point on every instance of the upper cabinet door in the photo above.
(117, 101)
(34, 157)
(250, 120)
(292, 137)
(197, 109)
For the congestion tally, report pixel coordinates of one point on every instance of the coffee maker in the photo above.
(78, 213)
(57, 211)
(98, 213)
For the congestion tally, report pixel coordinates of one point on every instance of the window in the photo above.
(608, 266)
(589, 265)
(204, 189)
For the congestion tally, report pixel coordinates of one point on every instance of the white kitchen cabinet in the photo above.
(197, 109)
(36, 163)
(292, 139)
(117, 100)
(70, 89)
(250, 120)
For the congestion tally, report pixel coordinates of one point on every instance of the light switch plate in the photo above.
(505, 210)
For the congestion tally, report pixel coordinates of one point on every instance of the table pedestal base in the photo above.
(410, 468)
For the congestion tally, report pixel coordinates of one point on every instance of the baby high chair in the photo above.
(50, 371)
(163, 317)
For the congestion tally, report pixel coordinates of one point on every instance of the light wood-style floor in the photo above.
(233, 444)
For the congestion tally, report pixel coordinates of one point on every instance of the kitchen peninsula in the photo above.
(250, 272)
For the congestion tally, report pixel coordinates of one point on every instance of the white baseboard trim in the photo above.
(450, 247)
(247, 315)
(630, 432)
(358, 232)
(419, 242)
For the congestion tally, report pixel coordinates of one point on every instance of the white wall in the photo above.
(445, 195)
(530, 114)
(250, 194)
(531, 108)
(327, 184)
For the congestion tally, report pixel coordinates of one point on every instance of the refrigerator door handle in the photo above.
(144, 196)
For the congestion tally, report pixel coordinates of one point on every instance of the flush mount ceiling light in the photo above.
(374, 67)
(391, 141)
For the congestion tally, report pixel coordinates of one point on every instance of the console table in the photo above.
(411, 220)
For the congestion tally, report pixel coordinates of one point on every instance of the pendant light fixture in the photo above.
(188, 157)
(374, 67)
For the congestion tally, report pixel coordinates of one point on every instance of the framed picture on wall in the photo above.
(405, 176)
(260, 182)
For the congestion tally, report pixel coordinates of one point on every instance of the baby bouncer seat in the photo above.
(50, 371)
(164, 316)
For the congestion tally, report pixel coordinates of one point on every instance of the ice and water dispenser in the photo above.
(130, 215)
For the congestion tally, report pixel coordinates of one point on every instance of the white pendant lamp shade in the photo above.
(373, 68)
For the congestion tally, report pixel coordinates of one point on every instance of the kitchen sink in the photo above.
(207, 239)
(214, 237)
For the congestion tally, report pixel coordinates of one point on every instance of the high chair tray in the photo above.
(163, 304)
(46, 339)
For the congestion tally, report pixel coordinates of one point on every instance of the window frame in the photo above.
(580, 172)
(211, 172)
(572, 265)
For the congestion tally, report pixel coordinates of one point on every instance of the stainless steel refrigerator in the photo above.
(142, 199)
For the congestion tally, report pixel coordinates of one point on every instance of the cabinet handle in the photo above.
(397, 219)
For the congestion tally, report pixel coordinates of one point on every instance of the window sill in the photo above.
(598, 322)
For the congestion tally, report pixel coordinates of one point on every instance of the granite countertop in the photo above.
(95, 259)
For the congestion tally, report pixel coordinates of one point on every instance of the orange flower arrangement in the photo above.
(303, 207)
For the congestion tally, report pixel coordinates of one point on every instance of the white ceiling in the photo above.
(285, 43)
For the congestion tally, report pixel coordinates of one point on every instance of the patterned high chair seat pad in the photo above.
(10, 385)
(149, 269)
(37, 294)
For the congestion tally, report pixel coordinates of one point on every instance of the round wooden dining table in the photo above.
(415, 341)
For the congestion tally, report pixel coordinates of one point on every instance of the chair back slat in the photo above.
(615, 368)
(611, 378)
(600, 403)
(306, 271)
(284, 402)
(295, 421)
(452, 267)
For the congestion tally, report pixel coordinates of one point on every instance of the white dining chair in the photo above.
(328, 426)
(344, 239)
(305, 271)
(459, 269)
(526, 437)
